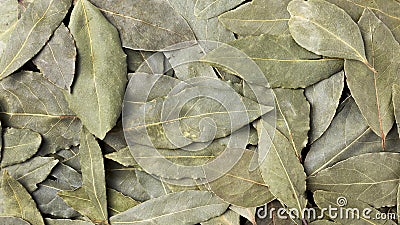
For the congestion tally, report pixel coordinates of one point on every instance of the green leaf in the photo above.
(57, 59)
(362, 176)
(324, 99)
(293, 117)
(350, 205)
(311, 26)
(99, 87)
(118, 203)
(370, 89)
(284, 174)
(32, 172)
(16, 201)
(249, 189)
(44, 111)
(187, 207)
(93, 175)
(9, 220)
(228, 218)
(66, 222)
(206, 9)
(284, 63)
(348, 135)
(32, 36)
(19, 145)
(258, 17)
(143, 26)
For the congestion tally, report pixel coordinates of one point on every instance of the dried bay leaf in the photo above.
(370, 89)
(206, 9)
(293, 117)
(44, 111)
(93, 175)
(99, 87)
(9, 12)
(57, 59)
(79, 201)
(118, 203)
(32, 172)
(313, 27)
(258, 17)
(283, 173)
(228, 218)
(49, 202)
(16, 201)
(187, 207)
(248, 213)
(325, 199)
(324, 98)
(396, 104)
(9, 220)
(19, 145)
(250, 189)
(362, 176)
(284, 63)
(70, 157)
(66, 222)
(34, 28)
(123, 157)
(348, 135)
(67, 175)
(154, 186)
(142, 24)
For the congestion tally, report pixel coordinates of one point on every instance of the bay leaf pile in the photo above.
(199, 111)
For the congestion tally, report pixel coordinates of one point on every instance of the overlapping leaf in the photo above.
(34, 29)
(98, 90)
(210, 8)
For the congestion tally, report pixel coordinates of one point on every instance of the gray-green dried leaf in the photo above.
(66, 222)
(70, 157)
(154, 186)
(249, 189)
(9, 12)
(258, 17)
(57, 59)
(142, 24)
(351, 205)
(293, 117)
(370, 89)
(118, 203)
(67, 175)
(123, 157)
(206, 9)
(19, 145)
(396, 104)
(16, 201)
(248, 213)
(325, 29)
(284, 63)
(228, 218)
(33, 30)
(79, 201)
(187, 207)
(324, 99)
(101, 73)
(50, 203)
(386, 10)
(362, 176)
(32, 172)
(93, 175)
(348, 135)
(44, 110)
(9, 220)
(284, 174)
